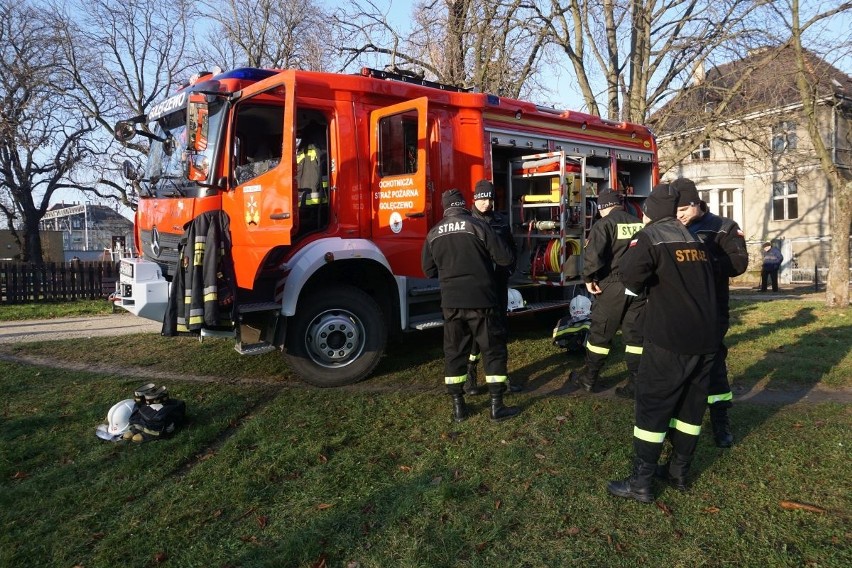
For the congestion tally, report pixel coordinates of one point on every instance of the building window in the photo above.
(785, 200)
(726, 203)
(702, 153)
(784, 137)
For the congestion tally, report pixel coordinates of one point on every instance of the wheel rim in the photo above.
(335, 338)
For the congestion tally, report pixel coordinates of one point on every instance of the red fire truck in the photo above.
(327, 272)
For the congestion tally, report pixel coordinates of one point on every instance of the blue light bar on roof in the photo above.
(250, 73)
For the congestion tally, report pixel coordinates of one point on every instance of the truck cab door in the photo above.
(260, 168)
(398, 182)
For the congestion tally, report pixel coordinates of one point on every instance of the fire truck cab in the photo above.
(324, 187)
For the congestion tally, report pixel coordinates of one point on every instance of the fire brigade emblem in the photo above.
(252, 212)
(396, 222)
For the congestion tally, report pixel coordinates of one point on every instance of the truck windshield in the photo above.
(165, 172)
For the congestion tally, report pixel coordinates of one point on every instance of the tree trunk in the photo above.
(837, 286)
(31, 251)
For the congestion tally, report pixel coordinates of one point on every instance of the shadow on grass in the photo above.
(769, 376)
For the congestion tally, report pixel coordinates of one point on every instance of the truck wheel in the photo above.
(336, 337)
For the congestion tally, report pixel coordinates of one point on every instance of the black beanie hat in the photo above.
(608, 198)
(687, 191)
(452, 198)
(662, 202)
(483, 189)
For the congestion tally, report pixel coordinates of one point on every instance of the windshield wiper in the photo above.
(171, 180)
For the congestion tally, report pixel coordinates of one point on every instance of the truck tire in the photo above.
(336, 337)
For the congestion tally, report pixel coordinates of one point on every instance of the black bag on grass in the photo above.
(155, 421)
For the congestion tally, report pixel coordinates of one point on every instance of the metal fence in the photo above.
(23, 282)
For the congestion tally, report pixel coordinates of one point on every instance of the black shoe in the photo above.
(470, 386)
(638, 485)
(583, 379)
(459, 408)
(626, 391)
(721, 425)
(674, 473)
(499, 413)
(514, 387)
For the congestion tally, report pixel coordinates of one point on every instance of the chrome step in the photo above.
(254, 348)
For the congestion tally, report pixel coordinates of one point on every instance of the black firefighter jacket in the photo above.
(680, 315)
(608, 241)
(202, 290)
(461, 251)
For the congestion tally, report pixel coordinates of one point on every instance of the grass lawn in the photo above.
(268, 472)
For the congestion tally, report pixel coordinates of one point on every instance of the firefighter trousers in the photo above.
(462, 328)
(671, 397)
(718, 388)
(501, 278)
(611, 310)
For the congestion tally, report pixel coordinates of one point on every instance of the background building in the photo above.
(754, 160)
(90, 232)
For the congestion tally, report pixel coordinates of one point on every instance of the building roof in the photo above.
(100, 214)
(772, 84)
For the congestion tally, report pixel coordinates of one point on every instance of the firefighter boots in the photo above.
(721, 425)
(470, 386)
(499, 412)
(584, 378)
(638, 485)
(514, 387)
(629, 388)
(459, 408)
(674, 473)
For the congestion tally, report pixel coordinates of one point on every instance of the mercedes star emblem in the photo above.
(155, 241)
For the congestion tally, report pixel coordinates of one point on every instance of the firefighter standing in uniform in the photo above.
(483, 209)
(462, 251)
(680, 339)
(612, 308)
(725, 243)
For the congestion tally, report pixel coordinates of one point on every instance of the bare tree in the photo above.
(266, 33)
(840, 179)
(119, 59)
(641, 51)
(41, 129)
(485, 45)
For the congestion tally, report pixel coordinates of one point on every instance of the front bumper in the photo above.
(143, 291)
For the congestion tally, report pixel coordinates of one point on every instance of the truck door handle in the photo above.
(415, 215)
(278, 216)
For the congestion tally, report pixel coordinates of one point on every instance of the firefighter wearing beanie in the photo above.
(483, 209)
(725, 243)
(612, 308)
(461, 252)
(680, 339)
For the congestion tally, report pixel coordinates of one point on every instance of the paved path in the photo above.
(69, 328)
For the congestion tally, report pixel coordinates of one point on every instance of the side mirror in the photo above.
(129, 170)
(197, 123)
(124, 131)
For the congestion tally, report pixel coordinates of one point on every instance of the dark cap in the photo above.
(452, 198)
(484, 189)
(608, 198)
(687, 190)
(662, 202)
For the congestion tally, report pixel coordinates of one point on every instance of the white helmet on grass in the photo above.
(118, 420)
